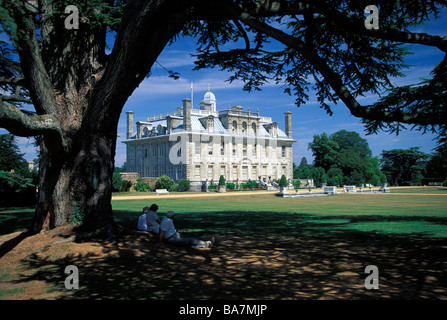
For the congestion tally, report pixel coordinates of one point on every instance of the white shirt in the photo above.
(167, 225)
(151, 222)
(142, 225)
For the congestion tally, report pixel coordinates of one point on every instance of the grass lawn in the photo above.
(409, 211)
(267, 248)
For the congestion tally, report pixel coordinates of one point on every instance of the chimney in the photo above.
(187, 114)
(288, 123)
(129, 124)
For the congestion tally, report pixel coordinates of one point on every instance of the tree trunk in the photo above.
(81, 92)
(78, 187)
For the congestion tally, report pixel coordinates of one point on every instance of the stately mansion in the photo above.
(202, 144)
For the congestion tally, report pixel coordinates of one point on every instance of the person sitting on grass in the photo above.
(168, 234)
(149, 220)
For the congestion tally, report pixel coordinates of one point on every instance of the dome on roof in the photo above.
(209, 96)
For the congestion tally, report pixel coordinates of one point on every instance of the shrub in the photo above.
(250, 185)
(164, 182)
(184, 185)
(125, 185)
(16, 189)
(120, 185)
(221, 181)
(116, 182)
(231, 185)
(142, 186)
(283, 182)
(212, 186)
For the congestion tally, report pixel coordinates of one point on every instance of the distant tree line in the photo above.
(344, 158)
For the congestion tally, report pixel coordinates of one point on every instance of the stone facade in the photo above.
(203, 144)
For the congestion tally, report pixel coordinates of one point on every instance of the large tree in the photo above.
(404, 165)
(346, 158)
(78, 91)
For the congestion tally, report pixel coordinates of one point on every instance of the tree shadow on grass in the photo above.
(257, 256)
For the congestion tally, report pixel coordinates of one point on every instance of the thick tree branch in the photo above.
(146, 28)
(40, 86)
(20, 124)
(12, 81)
(334, 79)
(15, 98)
(355, 25)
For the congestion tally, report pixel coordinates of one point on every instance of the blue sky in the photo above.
(160, 94)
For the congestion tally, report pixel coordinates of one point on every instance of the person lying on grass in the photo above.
(168, 234)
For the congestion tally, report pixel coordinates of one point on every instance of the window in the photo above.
(197, 147)
(254, 172)
(283, 151)
(234, 127)
(210, 147)
(234, 173)
(254, 149)
(154, 150)
(244, 127)
(244, 148)
(197, 171)
(139, 151)
(222, 148)
(178, 174)
(162, 149)
(244, 172)
(253, 128)
(234, 146)
(210, 172)
(222, 171)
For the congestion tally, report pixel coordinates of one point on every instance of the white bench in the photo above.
(330, 189)
(161, 191)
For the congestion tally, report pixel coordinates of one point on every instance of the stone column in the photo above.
(129, 124)
(187, 114)
(288, 126)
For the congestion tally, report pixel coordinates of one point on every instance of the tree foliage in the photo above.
(437, 165)
(404, 166)
(283, 181)
(326, 47)
(164, 182)
(345, 158)
(10, 157)
(184, 185)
